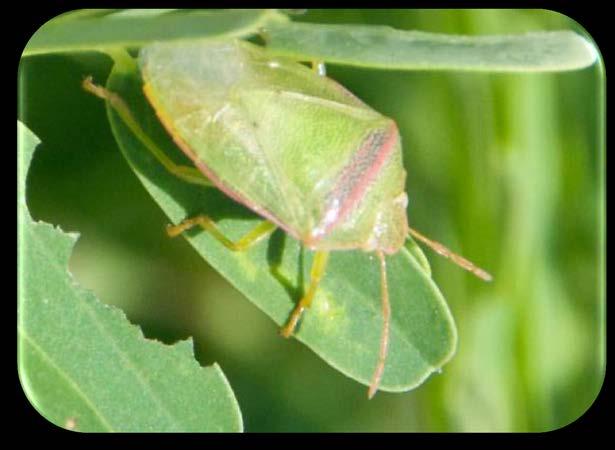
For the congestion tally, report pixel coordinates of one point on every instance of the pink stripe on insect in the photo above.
(372, 158)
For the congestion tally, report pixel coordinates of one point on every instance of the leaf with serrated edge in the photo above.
(83, 366)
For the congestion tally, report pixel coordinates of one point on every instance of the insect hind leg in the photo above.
(186, 173)
(319, 68)
(386, 323)
(319, 264)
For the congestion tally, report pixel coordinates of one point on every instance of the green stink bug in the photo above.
(292, 145)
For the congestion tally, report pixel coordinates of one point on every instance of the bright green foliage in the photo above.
(356, 45)
(388, 48)
(344, 324)
(83, 366)
(88, 30)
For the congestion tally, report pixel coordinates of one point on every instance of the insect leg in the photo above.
(386, 321)
(319, 68)
(254, 236)
(186, 173)
(457, 259)
(318, 270)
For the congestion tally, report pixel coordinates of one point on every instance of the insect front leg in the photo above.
(186, 173)
(318, 270)
(254, 236)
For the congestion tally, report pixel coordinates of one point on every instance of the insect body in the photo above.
(295, 147)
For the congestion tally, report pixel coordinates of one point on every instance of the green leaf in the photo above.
(344, 323)
(83, 365)
(94, 30)
(387, 48)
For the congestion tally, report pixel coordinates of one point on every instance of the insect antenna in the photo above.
(386, 321)
(457, 259)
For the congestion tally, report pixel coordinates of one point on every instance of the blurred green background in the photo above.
(507, 169)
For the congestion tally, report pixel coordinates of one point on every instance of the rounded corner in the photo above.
(583, 411)
(28, 395)
(23, 50)
(599, 60)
